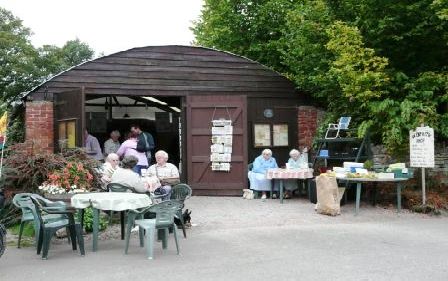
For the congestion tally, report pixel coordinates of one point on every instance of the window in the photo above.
(67, 133)
(268, 135)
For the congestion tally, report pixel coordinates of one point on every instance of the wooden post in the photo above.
(423, 187)
(423, 179)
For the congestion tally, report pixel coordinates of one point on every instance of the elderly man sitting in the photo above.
(127, 177)
(167, 173)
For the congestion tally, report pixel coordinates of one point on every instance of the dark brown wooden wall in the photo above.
(285, 111)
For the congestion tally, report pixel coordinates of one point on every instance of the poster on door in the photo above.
(221, 147)
(421, 146)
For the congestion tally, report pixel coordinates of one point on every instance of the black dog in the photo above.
(187, 219)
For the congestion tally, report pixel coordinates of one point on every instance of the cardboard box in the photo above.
(403, 173)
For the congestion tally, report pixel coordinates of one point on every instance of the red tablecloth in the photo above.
(289, 173)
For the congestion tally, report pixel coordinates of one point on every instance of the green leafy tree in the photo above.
(245, 27)
(23, 67)
(53, 59)
(18, 71)
(382, 62)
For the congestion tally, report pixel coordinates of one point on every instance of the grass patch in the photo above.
(28, 230)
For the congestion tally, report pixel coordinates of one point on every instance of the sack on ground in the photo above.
(170, 181)
(248, 194)
(328, 198)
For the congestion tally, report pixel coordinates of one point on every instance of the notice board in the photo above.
(421, 144)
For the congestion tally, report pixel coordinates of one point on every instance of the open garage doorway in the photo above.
(160, 116)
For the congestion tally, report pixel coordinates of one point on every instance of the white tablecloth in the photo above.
(115, 201)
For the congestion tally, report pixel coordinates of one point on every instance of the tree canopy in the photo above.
(382, 62)
(22, 66)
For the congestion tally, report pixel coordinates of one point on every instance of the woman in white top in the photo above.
(109, 168)
(293, 163)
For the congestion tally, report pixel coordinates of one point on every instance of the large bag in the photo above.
(170, 181)
(328, 197)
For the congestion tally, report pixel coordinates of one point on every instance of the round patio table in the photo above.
(108, 201)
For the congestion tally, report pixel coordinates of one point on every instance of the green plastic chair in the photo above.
(165, 212)
(48, 229)
(116, 187)
(180, 192)
(22, 201)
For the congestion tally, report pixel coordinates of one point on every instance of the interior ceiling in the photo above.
(134, 101)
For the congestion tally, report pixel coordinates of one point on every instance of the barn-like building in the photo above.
(174, 92)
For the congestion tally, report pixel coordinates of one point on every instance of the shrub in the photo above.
(88, 220)
(25, 172)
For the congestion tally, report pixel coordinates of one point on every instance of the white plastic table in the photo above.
(359, 182)
(285, 174)
(108, 201)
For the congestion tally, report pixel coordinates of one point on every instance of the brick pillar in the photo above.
(39, 126)
(308, 118)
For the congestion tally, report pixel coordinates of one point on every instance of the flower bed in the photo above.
(73, 178)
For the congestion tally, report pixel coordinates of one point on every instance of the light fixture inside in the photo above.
(155, 100)
(175, 108)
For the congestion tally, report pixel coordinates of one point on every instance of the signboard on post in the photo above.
(422, 147)
(421, 144)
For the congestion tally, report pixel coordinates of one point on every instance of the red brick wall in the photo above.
(308, 118)
(39, 126)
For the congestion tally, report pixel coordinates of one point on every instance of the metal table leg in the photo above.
(96, 223)
(399, 197)
(281, 191)
(358, 197)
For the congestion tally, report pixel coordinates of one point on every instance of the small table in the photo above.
(359, 182)
(109, 201)
(284, 174)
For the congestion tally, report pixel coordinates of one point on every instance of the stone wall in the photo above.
(39, 133)
(437, 175)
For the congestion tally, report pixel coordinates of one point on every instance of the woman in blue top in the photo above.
(294, 162)
(257, 176)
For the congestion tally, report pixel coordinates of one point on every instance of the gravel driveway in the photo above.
(237, 239)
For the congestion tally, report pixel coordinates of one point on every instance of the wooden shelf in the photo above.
(339, 140)
(342, 158)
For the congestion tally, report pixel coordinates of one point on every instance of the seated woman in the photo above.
(164, 171)
(257, 176)
(293, 163)
(127, 177)
(109, 167)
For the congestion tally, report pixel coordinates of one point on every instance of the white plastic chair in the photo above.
(342, 125)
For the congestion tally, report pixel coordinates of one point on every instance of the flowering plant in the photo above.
(73, 178)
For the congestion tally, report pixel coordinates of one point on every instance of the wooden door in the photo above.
(69, 123)
(199, 114)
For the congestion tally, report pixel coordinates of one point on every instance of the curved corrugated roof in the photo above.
(169, 71)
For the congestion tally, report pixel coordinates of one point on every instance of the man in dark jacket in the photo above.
(145, 141)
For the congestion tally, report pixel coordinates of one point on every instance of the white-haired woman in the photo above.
(109, 167)
(293, 163)
(163, 171)
(257, 176)
(112, 144)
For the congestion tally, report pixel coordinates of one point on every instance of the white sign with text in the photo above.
(421, 144)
